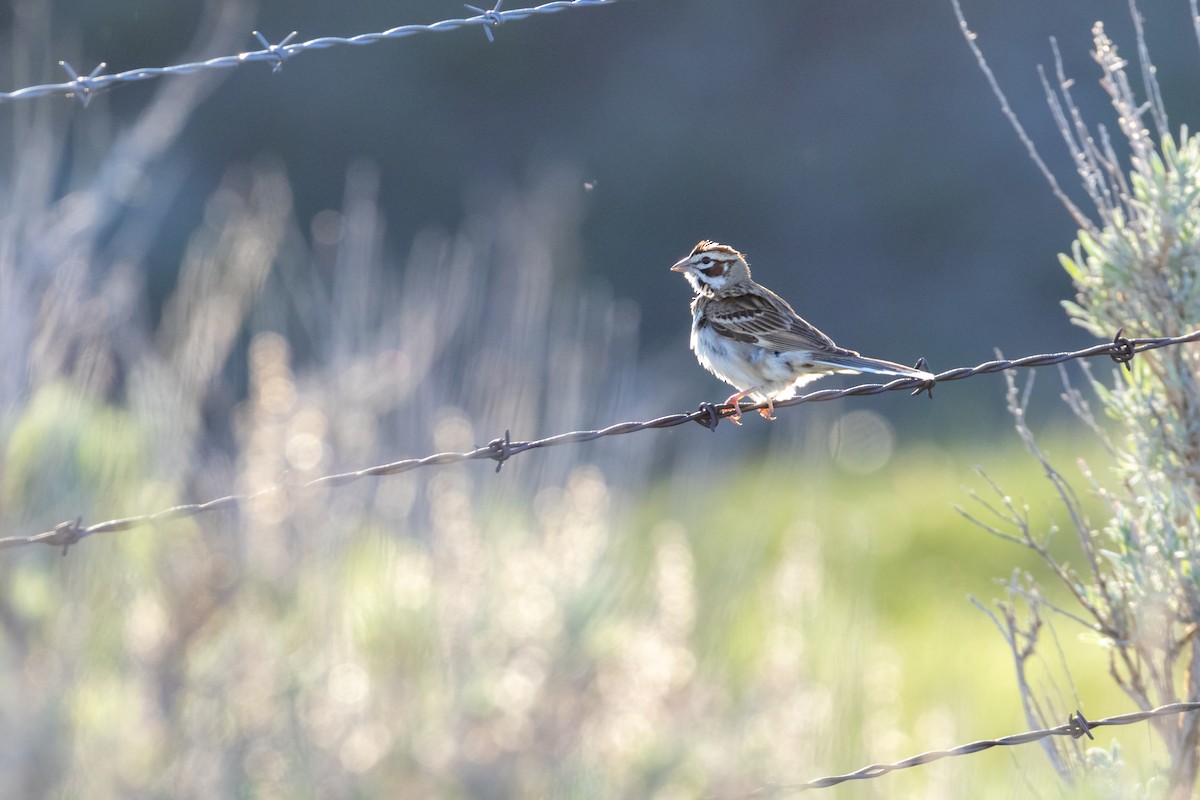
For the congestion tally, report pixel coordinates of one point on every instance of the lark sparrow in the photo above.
(749, 337)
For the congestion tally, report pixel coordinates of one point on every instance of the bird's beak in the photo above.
(680, 266)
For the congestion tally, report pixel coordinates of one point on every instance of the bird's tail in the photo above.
(856, 363)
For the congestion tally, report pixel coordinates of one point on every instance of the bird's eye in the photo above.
(706, 260)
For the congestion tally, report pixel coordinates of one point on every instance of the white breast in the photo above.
(748, 367)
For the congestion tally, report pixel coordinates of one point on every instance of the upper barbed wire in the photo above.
(1120, 350)
(85, 85)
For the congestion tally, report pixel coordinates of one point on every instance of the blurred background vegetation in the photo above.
(228, 281)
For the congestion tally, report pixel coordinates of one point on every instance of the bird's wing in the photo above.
(767, 320)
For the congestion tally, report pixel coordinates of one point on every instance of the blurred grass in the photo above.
(866, 578)
(790, 619)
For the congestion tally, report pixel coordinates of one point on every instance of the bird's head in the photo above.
(713, 265)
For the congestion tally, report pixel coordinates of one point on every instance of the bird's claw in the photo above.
(732, 400)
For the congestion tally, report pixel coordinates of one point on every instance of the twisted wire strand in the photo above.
(1120, 349)
(84, 86)
(1075, 727)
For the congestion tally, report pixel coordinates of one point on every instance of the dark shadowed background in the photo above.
(852, 149)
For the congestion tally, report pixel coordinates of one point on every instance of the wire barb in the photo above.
(709, 416)
(927, 386)
(1078, 726)
(500, 450)
(277, 52)
(1124, 351)
(492, 18)
(85, 85)
(65, 534)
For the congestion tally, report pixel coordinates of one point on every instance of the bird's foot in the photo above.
(732, 400)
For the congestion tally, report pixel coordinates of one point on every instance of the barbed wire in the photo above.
(85, 86)
(1076, 727)
(1120, 349)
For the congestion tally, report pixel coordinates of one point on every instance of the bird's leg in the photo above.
(732, 400)
(768, 412)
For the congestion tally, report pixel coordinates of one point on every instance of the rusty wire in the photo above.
(1121, 350)
(1075, 727)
